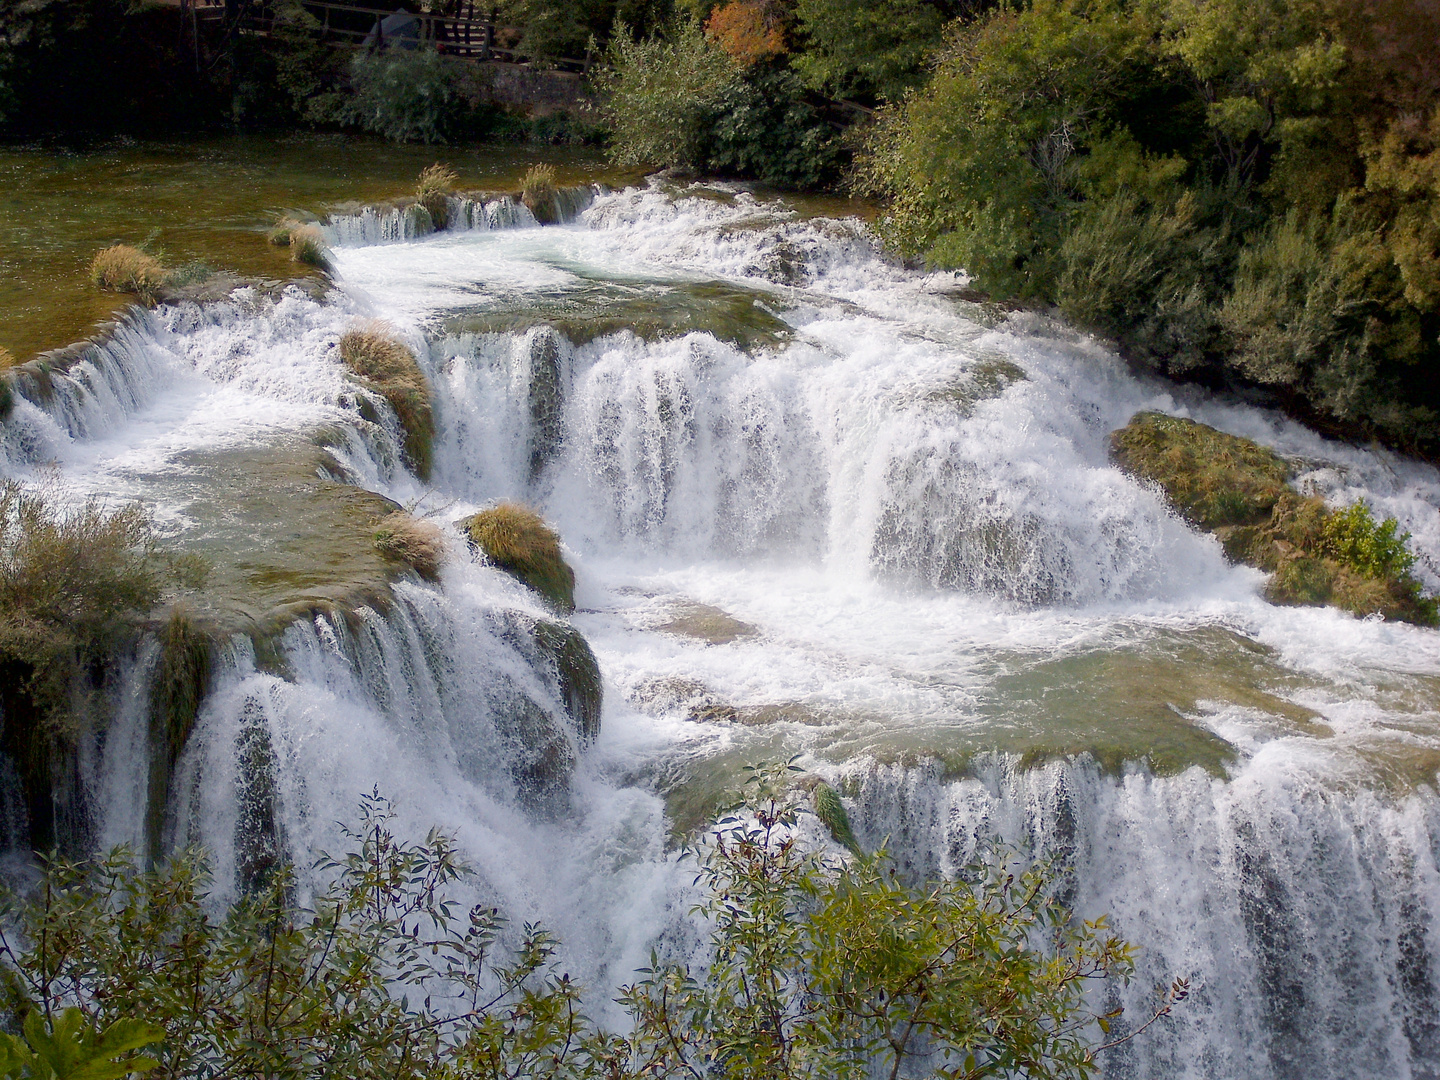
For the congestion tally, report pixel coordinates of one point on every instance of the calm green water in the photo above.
(208, 200)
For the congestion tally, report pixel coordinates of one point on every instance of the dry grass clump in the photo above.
(517, 540)
(7, 359)
(283, 229)
(388, 367)
(123, 268)
(1236, 489)
(433, 189)
(410, 540)
(537, 192)
(307, 245)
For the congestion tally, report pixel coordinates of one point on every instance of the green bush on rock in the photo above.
(518, 541)
(1236, 489)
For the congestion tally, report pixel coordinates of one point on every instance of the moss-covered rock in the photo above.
(547, 398)
(1237, 489)
(385, 365)
(517, 540)
(831, 812)
(178, 685)
(576, 673)
(412, 542)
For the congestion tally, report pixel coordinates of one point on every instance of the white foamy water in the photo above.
(904, 509)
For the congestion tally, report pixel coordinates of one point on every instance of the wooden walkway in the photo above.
(460, 32)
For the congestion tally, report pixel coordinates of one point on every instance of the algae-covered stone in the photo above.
(517, 540)
(547, 398)
(1213, 479)
(1236, 488)
(831, 811)
(576, 673)
(707, 624)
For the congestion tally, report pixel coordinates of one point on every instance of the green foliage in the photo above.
(73, 1050)
(568, 28)
(682, 101)
(408, 95)
(818, 969)
(869, 48)
(71, 585)
(1248, 192)
(663, 95)
(308, 71)
(380, 977)
(842, 970)
(1354, 537)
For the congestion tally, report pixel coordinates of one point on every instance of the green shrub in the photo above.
(378, 977)
(824, 969)
(663, 94)
(819, 969)
(518, 541)
(537, 192)
(407, 95)
(1353, 537)
(391, 369)
(307, 245)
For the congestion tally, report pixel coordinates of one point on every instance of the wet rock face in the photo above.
(565, 653)
(541, 757)
(547, 398)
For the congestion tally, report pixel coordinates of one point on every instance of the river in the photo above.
(817, 504)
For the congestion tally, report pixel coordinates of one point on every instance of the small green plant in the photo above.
(307, 245)
(1354, 538)
(518, 541)
(74, 1050)
(383, 362)
(280, 233)
(433, 190)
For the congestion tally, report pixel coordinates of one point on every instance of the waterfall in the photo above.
(816, 504)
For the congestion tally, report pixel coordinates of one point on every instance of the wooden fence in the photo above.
(460, 33)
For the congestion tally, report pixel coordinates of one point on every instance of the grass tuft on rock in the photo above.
(517, 540)
(122, 268)
(831, 812)
(1235, 488)
(307, 246)
(389, 368)
(417, 543)
(433, 189)
(283, 229)
(537, 192)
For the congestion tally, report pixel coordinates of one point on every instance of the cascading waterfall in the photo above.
(815, 504)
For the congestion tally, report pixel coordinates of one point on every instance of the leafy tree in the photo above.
(819, 969)
(872, 48)
(824, 969)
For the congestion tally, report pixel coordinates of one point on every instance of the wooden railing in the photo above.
(357, 26)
